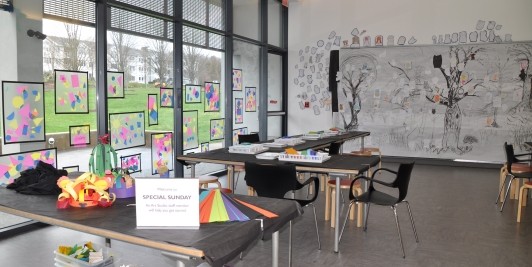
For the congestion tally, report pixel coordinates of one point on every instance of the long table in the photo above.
(216, 243)
(338, 166)
(326, 141)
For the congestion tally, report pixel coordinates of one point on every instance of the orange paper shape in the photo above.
(290, 151)
(262, 211)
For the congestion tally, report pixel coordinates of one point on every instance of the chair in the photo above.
(244, 138)
(515, 169)
(275, 181)
(522, 199)
(333, 149)
(373, 196)
(368, 151)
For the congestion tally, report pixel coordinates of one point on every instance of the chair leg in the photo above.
(359, 208)
(502, 183)
(322, 182)
(520, 207)
(366, 219)
(290, 245)
(333, 207)
(236, 180)
(327, 202)
(398, 229)
(506, 195)
(345, 221)
(412, 220)
(316, 223)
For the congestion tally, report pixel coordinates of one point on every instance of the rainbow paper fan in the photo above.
(216, 206)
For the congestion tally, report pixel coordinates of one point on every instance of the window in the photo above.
(275, 30)
(246, 59)
(246, 18)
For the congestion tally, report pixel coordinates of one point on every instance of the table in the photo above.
(325, 142)
(216, 243)
(338, 166)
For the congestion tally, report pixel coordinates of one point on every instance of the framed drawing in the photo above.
(167, 97)
(161, 151)
(205, 147)
(153, 111)
(127, 129)
(192, 93)
(217, 129)
(131, 163)
(71, 169)
(23, 112)
(251, 99)
(212, 97)
(115, 84)
(71, 92)
(11, 165)
(237, 132)
(80, 135)
(190, 129)
(237, 80)
(239, 110)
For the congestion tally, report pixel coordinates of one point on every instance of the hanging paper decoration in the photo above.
(71, 92)
(167, 97)
(153, 111)
(115, 84)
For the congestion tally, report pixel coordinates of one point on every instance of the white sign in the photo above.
(167, 203)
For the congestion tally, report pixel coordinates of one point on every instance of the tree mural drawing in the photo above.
(523, 54)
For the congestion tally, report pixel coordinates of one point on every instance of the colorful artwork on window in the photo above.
(167, 97)
(115, 84)
(251, 99)
(192, 93)
(161, 151)
(237, 80)
(80, 135)
(217, 129)
(71, 92)
(153, 110)
(212, 97)
(11, 165)
(190, 129)
(239, 110)
(71, 169)
(205, 147)
(131, 163)
(127, 129)
(23, 112)
(237, 132)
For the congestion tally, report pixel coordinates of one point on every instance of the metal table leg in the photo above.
(182, 260)
(275, 249)
(337, 215)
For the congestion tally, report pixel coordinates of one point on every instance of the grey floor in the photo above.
(456, 219)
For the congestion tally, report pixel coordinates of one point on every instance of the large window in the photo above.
(246, 18)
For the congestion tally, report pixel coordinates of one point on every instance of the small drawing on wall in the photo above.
(161, 152)
(205, 147)
(237, 80)
(80, 135)
(212, 97)
(239, 110)
(378, 40)
(131, 163)
(126, 129)
(192, 93)
(251, 99)
(237, 132)
(71, 92)
(115, 84)
(153, 111)
(71, 169)
(167, 97)
(217, 129)
(190, 129)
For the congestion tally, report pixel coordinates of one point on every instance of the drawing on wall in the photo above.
(71, 169)
(153, 111)
(378, 40)
(251, 99)
(11, 165)
(71, 92)
(80, 135)
(167, 97)
(212, 97)
(23, 112)
(205, 147)
(239, 110)
(131, 163)
(192, 93)
(115, 84)
(127, 129)
(217, 129)
(161, 151)
(237, 132)
(237, 80)
(190, 129)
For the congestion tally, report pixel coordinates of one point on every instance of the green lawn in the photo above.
(135, 100)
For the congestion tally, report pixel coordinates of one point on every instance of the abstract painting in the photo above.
(212, 97)
(237, 80)
(251, 99)
(80, 135)
(131, 163)
(167, 97)
(127, 129)
(71, 169)
(192, 93)
(71, 92)
(161, 151)
(190, 129)
(237, 132)
(115, 84)
(205, 147)
(217, 129)
(11, 165)
(153, 111)
(239, 110)
(23, 112)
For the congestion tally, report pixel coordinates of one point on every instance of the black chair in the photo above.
(515, 169)
(275, 181)
(373, 196)
(248, 138)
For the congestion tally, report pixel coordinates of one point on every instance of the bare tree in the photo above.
(523, 54)
(74, 55)
(146, 62)
(121, 51)
(192, 57)
(161, 58)
(90, 47)
(210, 68)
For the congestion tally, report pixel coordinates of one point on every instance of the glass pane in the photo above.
(160, 6)
(246, 64)
(275, 127)
(246, 18)
(275, 23)
(208, 13)
(275, 83)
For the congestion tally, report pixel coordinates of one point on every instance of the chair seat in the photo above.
(207, 179)
(344, 183)
(521, 168)
(239, 168)
(379, 198)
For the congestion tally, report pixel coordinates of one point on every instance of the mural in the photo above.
(192, 93)
(217, 129)
(251, 99)
(11, 165)
(71, 92)
(126, 129)
(237, 132)
(239, 110)
(167, 97)
(115, 84)
(80, 135)
(161, 151)
(212, 97)
(131, 163)
(190, 130)
(153, 111)
(23, 112)
(237, 80)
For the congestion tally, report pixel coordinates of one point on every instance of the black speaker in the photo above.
(334, 67)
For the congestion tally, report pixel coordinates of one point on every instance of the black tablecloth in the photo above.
(323, 142)
(220, 242)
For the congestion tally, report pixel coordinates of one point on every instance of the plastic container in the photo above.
(318, 158)
(248, 149)
(109, 257)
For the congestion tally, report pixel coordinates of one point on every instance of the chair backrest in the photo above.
(334, 148)
(271, 180)
(403, 179)
(248, 138)
(510, 156)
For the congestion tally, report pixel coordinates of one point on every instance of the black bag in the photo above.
(39, 181)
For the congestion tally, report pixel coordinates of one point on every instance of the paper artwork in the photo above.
(239, 110)
(237, 132)
(127, 129)
(217, 129)
(71, 169)
(80, 135)
(212, 97)
(71, 92)
(11, 165)
(205, 147)
(192, 93)
(251, 99)
(153, 111)
(237, 80)
(115, 84)
(161, 151)
(167, 97)
(190, 129)
(131, 163)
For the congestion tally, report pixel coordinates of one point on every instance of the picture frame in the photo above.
(251, 99)
(237, 80)
(205, 147)
(162, 151)
(167, 97)
(79, 135)
(11, 165)
(115, 84)
(192, 93)
(71, 92)
(70, 169)
(127, 130)
(131, 163)
(217, 129)
(153, 109)
(237, 132)
(212, 97)
(190, 129)
(239, 110)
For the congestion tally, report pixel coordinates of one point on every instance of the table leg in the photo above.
(362, 143)
(290, 246)
(275, 249)
(230, 175)
(182, 260)
(337, 215)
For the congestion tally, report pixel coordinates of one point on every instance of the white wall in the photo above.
(314, 20)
